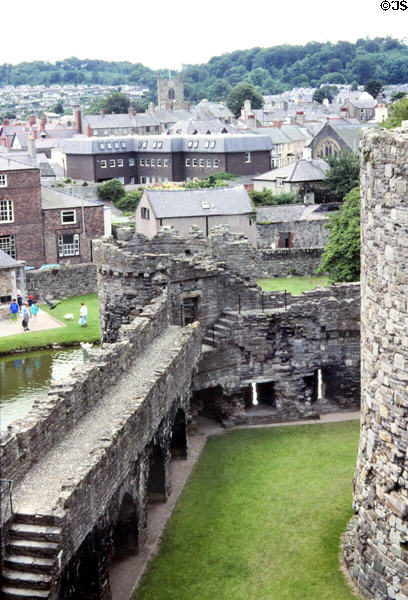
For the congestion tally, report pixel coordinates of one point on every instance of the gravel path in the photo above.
(41, 487)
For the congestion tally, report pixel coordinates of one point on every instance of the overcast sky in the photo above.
(165, 34)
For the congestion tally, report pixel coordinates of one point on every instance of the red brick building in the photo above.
(43, 225)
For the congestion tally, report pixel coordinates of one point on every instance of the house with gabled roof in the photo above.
(301, 177)
(205, 208)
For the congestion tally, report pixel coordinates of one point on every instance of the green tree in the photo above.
(354, 86)
(267, 198)
(343, 175)
(397, 96)
(397, 112)
(111, 191)
(341, 255)
(326, 91)
(117, 103)
(58, 108)
(240, 93)
(373, 87)
(129, 202)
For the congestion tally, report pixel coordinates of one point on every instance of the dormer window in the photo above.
(159, 144)
(123, 144)
(101, 146)
(207, 144)
(190, 144)
(116, 145)
(154, 144)
(109, 145)
(196, 144)
(212, 145)
(144, 145)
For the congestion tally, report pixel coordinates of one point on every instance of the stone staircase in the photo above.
(30, 559)
(220, 332)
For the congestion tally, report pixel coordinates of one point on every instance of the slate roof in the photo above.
(6, 262)
(188, 127)
(14, 162)
(52, 199)
(120, 120)
(168, 143)
(298, 171)
(282, 213)
(198, 203)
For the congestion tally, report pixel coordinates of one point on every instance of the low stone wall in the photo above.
(62, 282)
(288, 261)
(29, 438)
(305, 234)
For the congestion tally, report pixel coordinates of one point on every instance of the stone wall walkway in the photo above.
(125, 574)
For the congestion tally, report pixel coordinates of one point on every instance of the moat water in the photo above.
(27, 376)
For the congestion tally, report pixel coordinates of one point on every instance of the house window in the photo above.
(143, 180)
(142, 162)
(131, 162)
(153, 162)
(101, 146)
(116, 145)
(145, 213)
(112, 162)
(165, 162)
(8, 245)
(159, 162)
(194, 162)
(279, 182)
(6, 211)
(247, 157)
(216, 163)
(147, 162)
(208, 162)
(188, 162)
(68, 245)
(207, 144)
(103, 164)
(201, 162)
(120, 162)
(68, 216)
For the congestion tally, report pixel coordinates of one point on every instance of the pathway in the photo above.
(42, 321)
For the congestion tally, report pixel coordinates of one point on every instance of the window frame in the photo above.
(62, 246)
(103, 164)
(9, 248)
(145, 213)
(68, 211)
(7, 211)
(131, 162)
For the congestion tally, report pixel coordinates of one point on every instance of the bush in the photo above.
(267, 198)
(128, 203)
(68, 180)
(84, 183)
(111, 191)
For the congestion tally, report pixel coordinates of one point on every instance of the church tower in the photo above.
(170, 93)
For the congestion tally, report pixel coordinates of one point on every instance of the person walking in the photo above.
(34, 309)
(83, 315)
(26, 316)
(19, 299)
(14, 311)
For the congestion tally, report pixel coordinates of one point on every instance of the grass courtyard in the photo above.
(64, 336)
(294, 285)
(260, 518)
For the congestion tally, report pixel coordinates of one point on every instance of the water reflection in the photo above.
(29, 376)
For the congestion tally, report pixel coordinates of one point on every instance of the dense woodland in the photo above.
(271, 70)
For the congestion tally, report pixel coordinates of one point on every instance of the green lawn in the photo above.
(294, 285)
(64, 336)
(260, 518)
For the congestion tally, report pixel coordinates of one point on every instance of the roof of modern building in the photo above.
(56, 199)
(168, 143)
(199, 203)
(202, 127)
(298, 171)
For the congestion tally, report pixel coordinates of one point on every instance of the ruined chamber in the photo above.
(376, 544)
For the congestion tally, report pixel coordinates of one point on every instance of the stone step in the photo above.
(12, 593)
(28, 531)
(208, 341)
(222, 328)
(21, 579)
(224, 322)
(32, 548)
(35, 519)
(24, 562)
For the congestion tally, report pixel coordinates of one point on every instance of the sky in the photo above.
(164, 34)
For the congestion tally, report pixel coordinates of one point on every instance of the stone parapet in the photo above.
(62, 281)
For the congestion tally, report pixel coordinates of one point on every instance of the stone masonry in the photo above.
(376, 544)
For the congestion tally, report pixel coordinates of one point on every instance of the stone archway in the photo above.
(126, 531)
(156, 482)
(178, 444)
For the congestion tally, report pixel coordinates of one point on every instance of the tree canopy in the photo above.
(240, 93)
(341, 255)
(397, 112)
(343, 175)
(111, 191)
(325, 91)
(374, 88)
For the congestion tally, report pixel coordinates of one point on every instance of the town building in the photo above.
(153, 159)
(204, 208)
(302, 177)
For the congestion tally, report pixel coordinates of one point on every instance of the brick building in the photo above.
(151, 159)
(42, 225)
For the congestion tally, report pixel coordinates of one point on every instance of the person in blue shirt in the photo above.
(26, 316)
(14, 311)
(34, 309)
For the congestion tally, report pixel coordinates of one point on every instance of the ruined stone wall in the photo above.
(318, 330)
(62, 282)
(306, 234)
(376, 544)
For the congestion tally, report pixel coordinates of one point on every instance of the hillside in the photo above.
(272, 70)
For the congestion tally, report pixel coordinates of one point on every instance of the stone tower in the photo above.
(376, 543)
(170, 93)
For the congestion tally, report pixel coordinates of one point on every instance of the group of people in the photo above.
(25, 309)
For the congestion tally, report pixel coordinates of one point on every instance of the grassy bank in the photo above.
(260, 518)
(294, 285)
(69, 335)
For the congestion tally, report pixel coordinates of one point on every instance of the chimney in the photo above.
(276, 123)
(132, 111)
(344, 113)
(150, 108)
(88, 131)
(6, 121)
(251, 121)
(243, 115)
(32, 119)
(102, 112)
(247, 106)
(35, 134)
(42, 125)
(285, 105)
(78, 119)
(300, 117)
(31, 147)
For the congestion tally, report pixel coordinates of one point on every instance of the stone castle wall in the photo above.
(376, 545)
(306, 234)
(62, 282)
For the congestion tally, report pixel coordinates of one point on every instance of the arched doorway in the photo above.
(156, 483)
(126, 533)
(179, 436)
